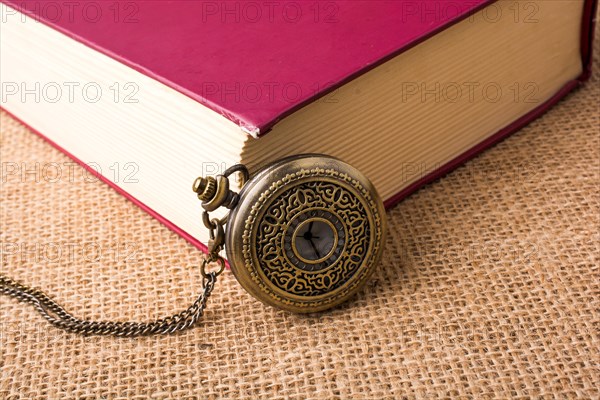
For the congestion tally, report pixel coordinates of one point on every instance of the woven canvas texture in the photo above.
(489, 286)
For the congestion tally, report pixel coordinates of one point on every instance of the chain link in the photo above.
(61, 318)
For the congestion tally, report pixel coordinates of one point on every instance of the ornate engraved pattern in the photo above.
(264, 253)
(269, 246)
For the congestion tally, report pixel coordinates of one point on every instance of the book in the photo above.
(151, 94)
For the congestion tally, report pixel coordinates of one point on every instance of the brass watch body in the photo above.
(305, 233)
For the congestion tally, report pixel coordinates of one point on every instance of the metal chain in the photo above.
(61, 318)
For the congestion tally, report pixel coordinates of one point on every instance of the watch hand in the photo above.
(310, 225)
(315, 248)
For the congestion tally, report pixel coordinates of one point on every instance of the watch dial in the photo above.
(314, 240)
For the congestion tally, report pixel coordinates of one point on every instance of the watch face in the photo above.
(314, 240)
(307, 233)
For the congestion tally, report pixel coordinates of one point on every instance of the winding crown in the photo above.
(205, 188)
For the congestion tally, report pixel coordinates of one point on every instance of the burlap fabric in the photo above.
(489, 287)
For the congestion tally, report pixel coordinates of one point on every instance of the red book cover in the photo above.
(205, 48)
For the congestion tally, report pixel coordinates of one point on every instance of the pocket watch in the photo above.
(304, 234)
